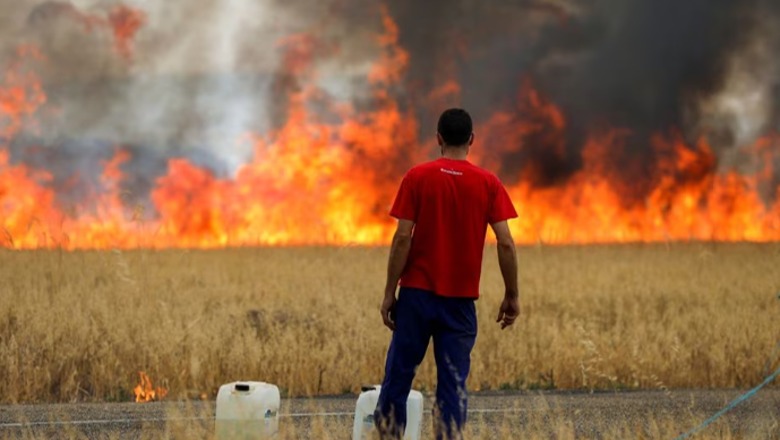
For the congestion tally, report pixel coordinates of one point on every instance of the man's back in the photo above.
(451, 203)
(443, 208)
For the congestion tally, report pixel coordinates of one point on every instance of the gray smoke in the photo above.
(204, 74)
(699, 66)
(195, 82)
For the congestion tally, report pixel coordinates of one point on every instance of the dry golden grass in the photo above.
(79, 326)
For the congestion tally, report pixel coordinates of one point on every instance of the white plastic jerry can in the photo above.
(247, 410)
(364, 414)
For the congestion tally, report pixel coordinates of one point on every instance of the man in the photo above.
(443, 209)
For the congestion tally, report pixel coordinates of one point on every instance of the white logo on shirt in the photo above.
(453, 172)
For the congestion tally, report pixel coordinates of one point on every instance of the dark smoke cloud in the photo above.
(648, 66)
(655, 59)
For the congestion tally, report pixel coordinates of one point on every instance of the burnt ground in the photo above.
(546, 414)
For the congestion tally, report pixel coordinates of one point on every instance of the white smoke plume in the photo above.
(203, 73)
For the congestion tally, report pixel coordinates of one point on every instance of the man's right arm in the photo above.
(507, 261)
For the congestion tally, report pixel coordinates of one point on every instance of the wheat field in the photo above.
(79, 326)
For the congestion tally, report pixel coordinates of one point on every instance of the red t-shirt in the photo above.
(451, 203)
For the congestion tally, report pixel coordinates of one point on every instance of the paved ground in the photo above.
(653, 414)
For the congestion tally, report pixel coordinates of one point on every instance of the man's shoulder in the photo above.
(422, 168)
(484, 172)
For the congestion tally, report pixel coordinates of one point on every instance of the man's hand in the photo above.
(507, 262)
(508, 312)
(399, 252)
(388, 304)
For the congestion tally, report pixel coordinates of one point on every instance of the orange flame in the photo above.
(331, 180)
(145, 391)
(21, 94)
(125, 23)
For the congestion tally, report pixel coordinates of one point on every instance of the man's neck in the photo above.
(455, 153)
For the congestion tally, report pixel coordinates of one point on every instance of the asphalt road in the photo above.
(653, 414)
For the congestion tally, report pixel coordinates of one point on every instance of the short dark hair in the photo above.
(455, 127)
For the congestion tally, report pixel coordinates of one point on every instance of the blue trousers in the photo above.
(452, 323)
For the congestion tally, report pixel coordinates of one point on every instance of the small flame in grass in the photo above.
(146, 392)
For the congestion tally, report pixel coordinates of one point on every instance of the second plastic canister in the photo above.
(247, 410)
(364, 414)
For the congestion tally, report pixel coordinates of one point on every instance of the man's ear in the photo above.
(439, 139)
(471, 139)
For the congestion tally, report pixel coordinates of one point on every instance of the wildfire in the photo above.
(145, 391)
(331, 179)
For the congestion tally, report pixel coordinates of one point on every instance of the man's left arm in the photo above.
(399, 253)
